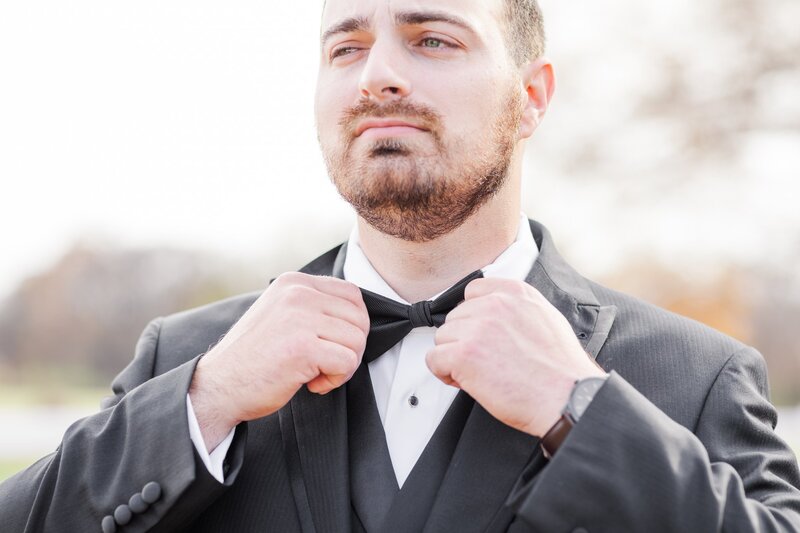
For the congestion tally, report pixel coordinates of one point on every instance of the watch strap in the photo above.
(555, 436)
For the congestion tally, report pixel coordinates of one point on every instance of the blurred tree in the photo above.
(84, 315)
(775, 320)
(757, 307)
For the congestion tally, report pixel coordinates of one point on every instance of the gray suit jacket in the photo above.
(679, 439)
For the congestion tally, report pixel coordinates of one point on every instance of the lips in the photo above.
(386, 124)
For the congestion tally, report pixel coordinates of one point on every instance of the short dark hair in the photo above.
(525, 30)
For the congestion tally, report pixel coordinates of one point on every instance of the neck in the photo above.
(419, 270)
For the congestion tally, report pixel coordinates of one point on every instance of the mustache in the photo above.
(420, 114)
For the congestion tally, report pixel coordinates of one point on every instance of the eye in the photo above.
(343, 51)
(433, 42)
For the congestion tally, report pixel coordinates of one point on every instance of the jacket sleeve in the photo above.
(140, 438)
(626, 466)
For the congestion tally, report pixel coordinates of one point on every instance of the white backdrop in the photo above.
(191, 124)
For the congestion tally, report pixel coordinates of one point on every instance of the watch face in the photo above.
(583, 394)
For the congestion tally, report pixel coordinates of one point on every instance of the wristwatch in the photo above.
(582, 395)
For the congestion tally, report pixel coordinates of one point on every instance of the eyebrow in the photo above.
(403, 18)
(347, 25)
(410, 18)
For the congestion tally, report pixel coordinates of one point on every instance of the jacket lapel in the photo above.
(315, 440)
(314, 430)
(570, 293)
(491, 457)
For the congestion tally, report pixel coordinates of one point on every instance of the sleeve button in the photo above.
(151, 492)
(123, 515)
(108, 524)
(137, 504)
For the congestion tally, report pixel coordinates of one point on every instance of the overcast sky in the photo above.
(191, 124)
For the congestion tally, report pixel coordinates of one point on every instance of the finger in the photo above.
(439, 361)
(450, 381)
(324, 284)
(479, 287)
(466, 309)
(483, 286)
(338, 287)
(451, 331)
(323, 384)
(304, 298)
(333, 359)
(344, 309)
(342, 332)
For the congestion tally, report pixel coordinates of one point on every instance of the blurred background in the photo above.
(156, 156)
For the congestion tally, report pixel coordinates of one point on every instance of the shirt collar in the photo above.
(514, 263)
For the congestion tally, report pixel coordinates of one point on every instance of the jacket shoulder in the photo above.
(671, 359)
(187, 334)
(649, 324)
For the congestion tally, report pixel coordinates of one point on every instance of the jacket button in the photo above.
(122, 515)
(137, 504)
(151, 492)
(108, 524)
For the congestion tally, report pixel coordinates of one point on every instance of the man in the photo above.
(522, 398)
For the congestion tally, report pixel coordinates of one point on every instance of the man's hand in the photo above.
(512, 351)
(303, 330)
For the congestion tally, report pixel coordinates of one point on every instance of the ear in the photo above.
(539, 84)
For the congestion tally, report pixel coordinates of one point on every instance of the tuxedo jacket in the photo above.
(680, 438)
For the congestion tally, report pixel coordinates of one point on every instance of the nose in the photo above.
(382, 78)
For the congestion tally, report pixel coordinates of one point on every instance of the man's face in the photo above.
(418, 107)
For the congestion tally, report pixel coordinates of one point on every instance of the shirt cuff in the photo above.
(213, 461)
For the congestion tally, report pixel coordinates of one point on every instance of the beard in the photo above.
(420, 189)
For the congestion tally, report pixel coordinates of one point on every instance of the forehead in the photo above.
(481, 14)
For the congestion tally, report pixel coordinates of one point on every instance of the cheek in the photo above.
(328, 130)
(332, 99)
(470, 105)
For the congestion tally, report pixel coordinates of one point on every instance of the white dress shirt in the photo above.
(411, 400)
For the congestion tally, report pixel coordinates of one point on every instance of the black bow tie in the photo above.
(390, 321)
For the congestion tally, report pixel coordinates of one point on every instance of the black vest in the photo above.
(378, 504)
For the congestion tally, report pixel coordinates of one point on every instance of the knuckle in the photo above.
(495, 304)
(302, 347)
(350, 359)
(364, 323)
(509, 303)
(433, 362)
(518, 288)
(361, 342)
(353, 291)
(349, 336)
(472, 288)
(485, 329)
(297, 295)
(468, 351)
(533, 295)
(287, 278)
